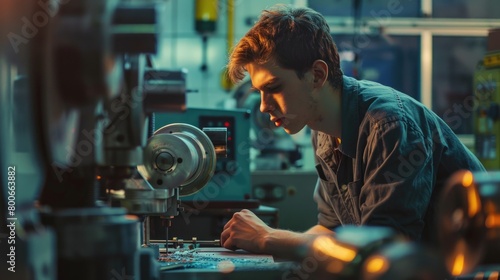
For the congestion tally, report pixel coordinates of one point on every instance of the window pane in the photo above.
(370, 9)
(390, 60)
(453, 64)
(487, 9)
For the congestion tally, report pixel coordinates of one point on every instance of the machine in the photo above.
(231, 180)
(81, 176)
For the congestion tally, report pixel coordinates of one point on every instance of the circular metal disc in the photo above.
(164, 176)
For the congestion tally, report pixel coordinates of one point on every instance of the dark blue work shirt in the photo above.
(393, 158)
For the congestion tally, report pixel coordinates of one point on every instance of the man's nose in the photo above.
(265, 105)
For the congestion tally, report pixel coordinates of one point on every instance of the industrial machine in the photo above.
(487, 105)
(81, 176)
(231, 180)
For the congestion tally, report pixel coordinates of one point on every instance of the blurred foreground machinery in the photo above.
(469, 224)
(84, 90)
(368, 253)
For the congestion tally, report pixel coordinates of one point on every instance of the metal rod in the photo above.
(215, 242)
(167, 224)
(146, 230)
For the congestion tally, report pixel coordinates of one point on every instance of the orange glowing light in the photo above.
(458, 265)
(474, 202)
(472, 196)
(329, 247)
(492, 221)
(467, 179)
(376, 264)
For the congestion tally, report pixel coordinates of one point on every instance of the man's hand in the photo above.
(245, 231)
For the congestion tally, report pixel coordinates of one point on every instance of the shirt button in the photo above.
(344, 187)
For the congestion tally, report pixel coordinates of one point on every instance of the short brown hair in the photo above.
(294, 37)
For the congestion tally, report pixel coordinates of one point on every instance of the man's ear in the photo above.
(320, 72)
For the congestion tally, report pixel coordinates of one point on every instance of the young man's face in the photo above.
(287, 99)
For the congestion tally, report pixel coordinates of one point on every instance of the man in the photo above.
(381, 156)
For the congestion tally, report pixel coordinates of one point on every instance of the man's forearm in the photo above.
(288, 245)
